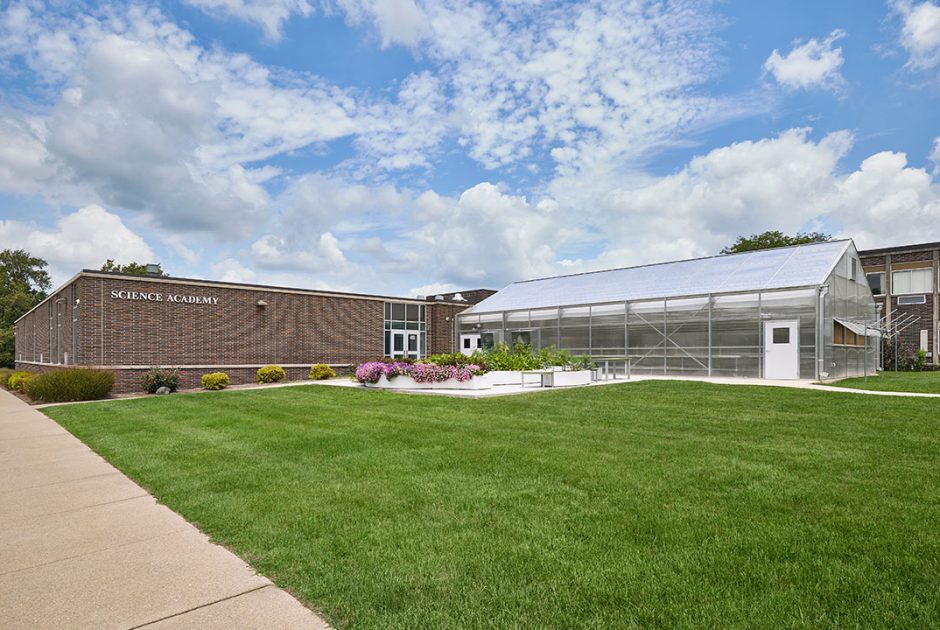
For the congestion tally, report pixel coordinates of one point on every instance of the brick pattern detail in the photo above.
(890, 261)
(906, 257)
(293, 328)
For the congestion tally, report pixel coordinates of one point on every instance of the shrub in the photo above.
(18, 380)
(5, 374)
(215, 380)
(155, 378)
(500, 357)
(321, 371)
(583, 362)
(70, 384)
(919, 362)
(271, 374)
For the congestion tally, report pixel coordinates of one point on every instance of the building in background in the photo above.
(793, 312)
(128, 323)
(904, 282)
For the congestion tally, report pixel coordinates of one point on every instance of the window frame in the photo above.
(882, 283)
(910, 273)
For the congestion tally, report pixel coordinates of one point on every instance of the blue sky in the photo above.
(400, 146)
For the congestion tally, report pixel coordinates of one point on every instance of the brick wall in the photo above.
(231, 334)
(440, 326)
(888, 262)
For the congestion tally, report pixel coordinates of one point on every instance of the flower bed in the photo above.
(399, 375)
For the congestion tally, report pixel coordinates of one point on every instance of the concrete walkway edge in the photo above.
(83, 546)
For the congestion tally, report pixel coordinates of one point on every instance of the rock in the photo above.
(163, 390)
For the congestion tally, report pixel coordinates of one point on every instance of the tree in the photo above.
(23, 284)
(136, 268)
(774, 238)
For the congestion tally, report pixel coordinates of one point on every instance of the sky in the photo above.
(404, 147)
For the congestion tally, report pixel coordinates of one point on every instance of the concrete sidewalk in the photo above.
(82, 546)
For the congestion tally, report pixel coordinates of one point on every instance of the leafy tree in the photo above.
(137, 268)
(23, 284)
(774, 238)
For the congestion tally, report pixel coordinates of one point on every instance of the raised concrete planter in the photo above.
(503, 377)
(576, 377)
(406, 382)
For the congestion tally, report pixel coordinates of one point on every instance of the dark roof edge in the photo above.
(916, 247)
(232, 285)
(249, 285)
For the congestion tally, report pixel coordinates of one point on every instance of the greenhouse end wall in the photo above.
(717, 335)
(848, 298)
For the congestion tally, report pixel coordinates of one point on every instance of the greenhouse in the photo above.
(802, 312)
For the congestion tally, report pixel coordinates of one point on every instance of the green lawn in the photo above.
(889, 381)
(654, 504)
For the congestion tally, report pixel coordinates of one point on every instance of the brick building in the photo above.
(128, 323)
(904, 281)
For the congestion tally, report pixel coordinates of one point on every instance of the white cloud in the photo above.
(24, 161)
(587, 84)
(920, 31)
(813, 64)
(270, 15)
(430, 290)
(149, 121)
(231, 270)
(82, 239)
(935, 154)
(398, 21)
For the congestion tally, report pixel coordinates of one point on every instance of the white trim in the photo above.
(50, 296)
(238, 287)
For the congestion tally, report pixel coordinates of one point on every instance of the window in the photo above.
(782, 335)
(906, 300)
(853, 265)
(912, 281)
(877, 282)
(466, 343)
(405, 334)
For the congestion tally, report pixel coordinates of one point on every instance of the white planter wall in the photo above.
(406, 382)
(568, 379)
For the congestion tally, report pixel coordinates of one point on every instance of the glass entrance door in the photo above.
(398, 344)
(405, 344)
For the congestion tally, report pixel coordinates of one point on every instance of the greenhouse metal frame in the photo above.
(809, 304)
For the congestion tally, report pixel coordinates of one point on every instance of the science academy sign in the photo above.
(176, 298)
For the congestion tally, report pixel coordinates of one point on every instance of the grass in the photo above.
(654, 504)
(890, 381)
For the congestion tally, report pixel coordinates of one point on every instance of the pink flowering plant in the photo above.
(424, 372)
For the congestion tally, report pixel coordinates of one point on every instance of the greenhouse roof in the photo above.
(781, 268)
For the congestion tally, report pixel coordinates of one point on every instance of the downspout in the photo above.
(820, 335)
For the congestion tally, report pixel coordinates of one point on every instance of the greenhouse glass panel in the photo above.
(736, 335)
(608, 333)
(687, 336)
(645, 327)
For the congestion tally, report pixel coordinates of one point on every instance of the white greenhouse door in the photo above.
(782, 350)
(470, 343)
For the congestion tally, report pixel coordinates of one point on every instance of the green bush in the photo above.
(215, 380)
(583, 362)
(70, 384)
(321, 371)
(920, 361)
(453, 359)
(17, 381)
(271, 374)
(5, 374)
(500, 357)
(155, 378)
